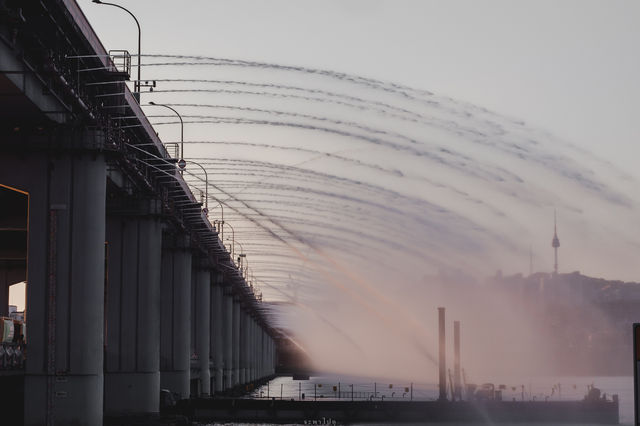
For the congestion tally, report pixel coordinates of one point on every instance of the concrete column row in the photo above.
(132, 338)
(106, 343)
(207, 341)
(175, 321)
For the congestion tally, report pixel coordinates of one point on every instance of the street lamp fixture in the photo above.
(182, 164)
(181, 126)
(222, 217)
(136, 84)
(221, 224)
(241, 261)
(241, 255)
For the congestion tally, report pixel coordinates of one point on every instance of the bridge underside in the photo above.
(129, 289)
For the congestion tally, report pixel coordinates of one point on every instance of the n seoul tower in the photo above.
(555, 243)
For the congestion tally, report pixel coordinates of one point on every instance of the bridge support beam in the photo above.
(260, 367)
(265, 367)
(254, 349)
(216, 332)
(236, 341)
(265, 354)
(249, 362)
(251, 350)
(202, 330)
(272, 356)
(269, 356)
(227, 336)
(175, 321)
(244, 325)
(258, 372)
(132, 364)
(248, 348)
(65, 295)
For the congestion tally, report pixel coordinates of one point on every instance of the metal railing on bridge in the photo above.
(121, 60)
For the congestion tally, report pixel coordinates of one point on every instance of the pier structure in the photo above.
(555, 243)
(129, 288)
(442, 358)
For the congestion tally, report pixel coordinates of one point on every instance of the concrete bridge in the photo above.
(129, 288)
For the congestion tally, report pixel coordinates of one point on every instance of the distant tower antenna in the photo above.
(530, 260)
(555, 243)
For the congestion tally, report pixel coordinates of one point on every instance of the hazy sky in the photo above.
(568, 66)
(361, 147)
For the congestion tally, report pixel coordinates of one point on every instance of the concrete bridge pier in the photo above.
(263, 354)
(227, 337)
(249, 347)
(236, 341)
(266, 355)
(260, 355)
(202, 330)
(65, 295)
(132, 346)
(244, 350)
(260, 348)
(258, 370)
(175, 319)
(254, 349)
(272, 356)
(217, 337)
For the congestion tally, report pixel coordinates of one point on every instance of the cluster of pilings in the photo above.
(455, 383)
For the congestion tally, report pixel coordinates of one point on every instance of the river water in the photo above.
(538, 388)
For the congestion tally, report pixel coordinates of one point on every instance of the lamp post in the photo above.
(233, 236)
(181, 127)
(253, 283)
(222, 217)
(136, 84)
(183, 165)
(242, 257)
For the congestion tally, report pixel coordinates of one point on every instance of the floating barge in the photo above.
(392, 412)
